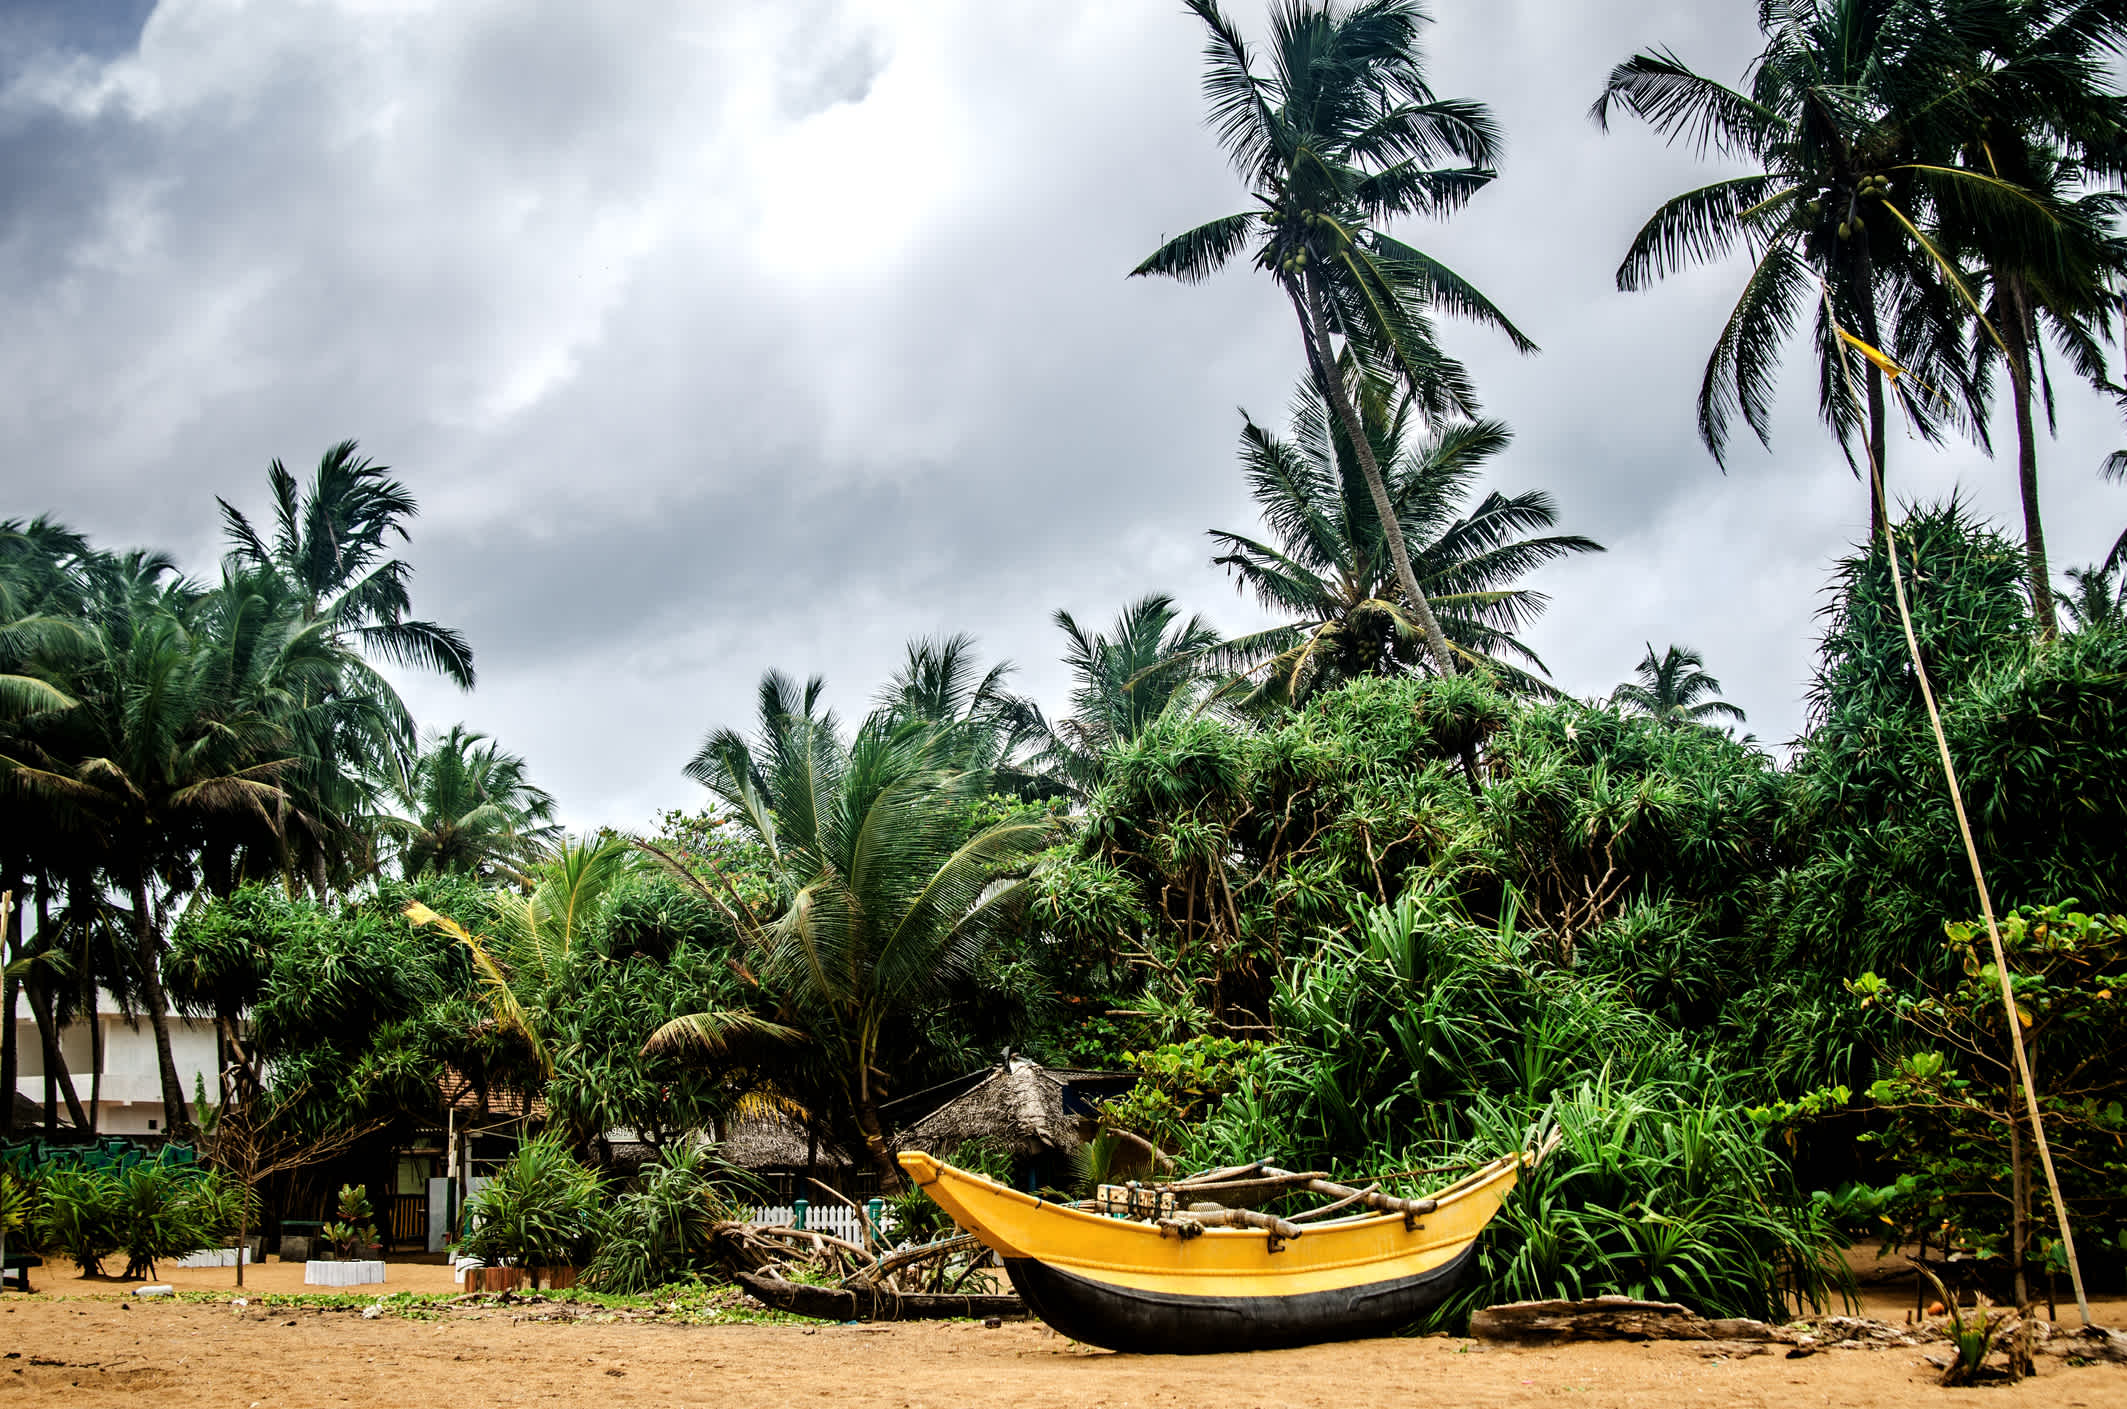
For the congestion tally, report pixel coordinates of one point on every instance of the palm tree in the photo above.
(940, 682)
(1675, 689)
(2098, 598)
(2038, 108)
(1341, 137)
(465, 806)
(1852, 116)
(1328, 571)
(886, 892)
(1146, 663)
(164, 759)
(330, 549)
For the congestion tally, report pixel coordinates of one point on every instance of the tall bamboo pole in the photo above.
(1964, 831)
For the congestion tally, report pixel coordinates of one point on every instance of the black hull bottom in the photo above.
(1160, 1323)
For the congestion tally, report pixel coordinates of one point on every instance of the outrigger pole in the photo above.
(1957, 801)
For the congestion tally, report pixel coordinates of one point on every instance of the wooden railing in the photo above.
(405, 1220)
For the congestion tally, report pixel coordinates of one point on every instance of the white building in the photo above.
(130, 1098)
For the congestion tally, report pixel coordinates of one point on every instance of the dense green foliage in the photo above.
(541, 1209)
(1362, 891)
(151, 1212)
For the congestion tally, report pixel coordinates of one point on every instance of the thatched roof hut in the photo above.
(774, 1142)
(1018, 1107)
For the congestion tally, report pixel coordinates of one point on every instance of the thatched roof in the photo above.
(461, 1094)
(773, 1142)
(1019, 1107)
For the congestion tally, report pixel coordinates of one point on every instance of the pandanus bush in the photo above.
(1431, 1041)
(660, 1231)
(541, 1209)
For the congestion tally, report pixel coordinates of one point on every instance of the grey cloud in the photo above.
(716, 339)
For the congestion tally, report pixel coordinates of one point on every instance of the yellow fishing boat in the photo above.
(1167, 1287)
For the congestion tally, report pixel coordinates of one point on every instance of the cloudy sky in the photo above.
(716, 337)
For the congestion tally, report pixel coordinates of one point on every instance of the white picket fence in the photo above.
(832, 1219)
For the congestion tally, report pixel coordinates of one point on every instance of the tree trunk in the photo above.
(95, 1062)
(46, 940)
(10, 990)
(1314, 331)
(1879, 508)
(243, 1231)
(58, 1081)
(149, 961)
(2017, 330)
(2019, 1206)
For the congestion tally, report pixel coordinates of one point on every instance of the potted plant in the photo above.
(538, 1218)
(352, 1238)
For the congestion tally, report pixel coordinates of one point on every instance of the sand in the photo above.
(111, 1351)
(86, 1343)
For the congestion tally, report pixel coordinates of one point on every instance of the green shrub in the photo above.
(542, 1209)
(1661, 1191)
(661, 1230)
(80, 1217)
(18, 1208)
(1429, 1040)
(164, 1213)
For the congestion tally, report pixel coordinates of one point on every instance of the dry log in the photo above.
(807, 1235)
(895, 1261)
(1608, 1318)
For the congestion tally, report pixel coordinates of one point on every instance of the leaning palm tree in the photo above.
(1343, 135)
(887, 892)
(1850, 123)
(467, 806)
(1328, 569)
(1675, 689)
(1146, 663)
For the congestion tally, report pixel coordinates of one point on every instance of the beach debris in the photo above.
(158, 1289)
(1612, 1318)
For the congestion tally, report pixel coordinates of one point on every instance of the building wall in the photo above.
(132, 1091)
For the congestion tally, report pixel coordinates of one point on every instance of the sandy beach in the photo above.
(92, 1344)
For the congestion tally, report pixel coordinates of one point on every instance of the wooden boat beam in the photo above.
(1379, 1202)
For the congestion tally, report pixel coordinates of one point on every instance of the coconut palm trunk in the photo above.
(10, 994)
(149, 961)
(1864, 278)
(1314, 331)
(2018, 332)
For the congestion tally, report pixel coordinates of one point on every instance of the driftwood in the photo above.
(895, 1261)
(1608, 1318)
(815, 1240)
(875, 1303)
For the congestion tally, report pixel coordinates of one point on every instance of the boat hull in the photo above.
(1128, 1285)
(1149, 1322)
